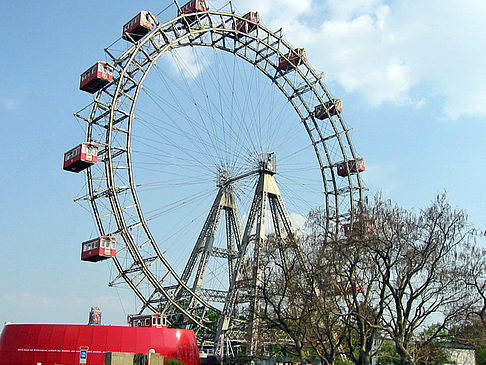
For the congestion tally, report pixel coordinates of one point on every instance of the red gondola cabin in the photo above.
(332, 107)
(293, 59)
(352, 167)
(96, 77)
(98, 249)
(193, 6)
(80, 157)
(138, 27)
(147, 320)
(252, 19)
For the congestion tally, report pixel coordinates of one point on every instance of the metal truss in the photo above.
(112, 190)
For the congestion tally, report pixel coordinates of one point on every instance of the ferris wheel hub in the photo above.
(268, 163)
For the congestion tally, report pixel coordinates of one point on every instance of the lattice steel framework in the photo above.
(112, 189)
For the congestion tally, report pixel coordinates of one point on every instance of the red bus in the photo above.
(193, 6)
(354, 166)
(80, 157)
(147, 320)
(292, 59)
(252, 19)
(329, 108)
(97, 76)
(138, 27)
(98, 249)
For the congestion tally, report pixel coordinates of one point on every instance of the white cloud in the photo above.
(185, 61)
(286, 8)
(299, 221)
(358, 59)
(391, 51)
(383, 178)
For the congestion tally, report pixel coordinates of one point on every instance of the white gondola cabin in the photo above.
(249, 24)
(98, 249)
(80, 157)
(328, 109)
(193, 7)
(352, 167)
(147, 320)
(293, 59)
(97, 76)
(138, 27)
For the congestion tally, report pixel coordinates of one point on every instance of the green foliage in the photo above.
(343, 361)
(212, 315)
(239, 359)
(388, 354)
(481, 356)
(175, 362)
(434, 331)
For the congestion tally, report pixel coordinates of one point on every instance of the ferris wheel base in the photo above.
(49, 344)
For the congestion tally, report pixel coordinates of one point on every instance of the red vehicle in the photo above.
(292, 59)
(252, 19)
(352, 167)
(193, 6)
(147, 320)
(49, 344)
(138, 27)
(80, 157)
(329, 108)
(101, 248)
(96, 77)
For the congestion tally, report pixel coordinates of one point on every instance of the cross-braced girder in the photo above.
(114, 193)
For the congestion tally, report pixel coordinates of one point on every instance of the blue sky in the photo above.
(411, 78)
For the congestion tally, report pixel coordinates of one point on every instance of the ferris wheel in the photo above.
(207, 133)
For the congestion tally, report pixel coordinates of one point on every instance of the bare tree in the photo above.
(362, 294)
(391, 274)
(416, 257)
(301, 299)
(328, 328)
(356, 290)
(287, 301)
(472, 273)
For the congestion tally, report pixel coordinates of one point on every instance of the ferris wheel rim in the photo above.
(303, 70)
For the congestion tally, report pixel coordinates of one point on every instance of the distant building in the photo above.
(459, 354)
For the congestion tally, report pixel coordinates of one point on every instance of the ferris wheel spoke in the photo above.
(207, 140)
